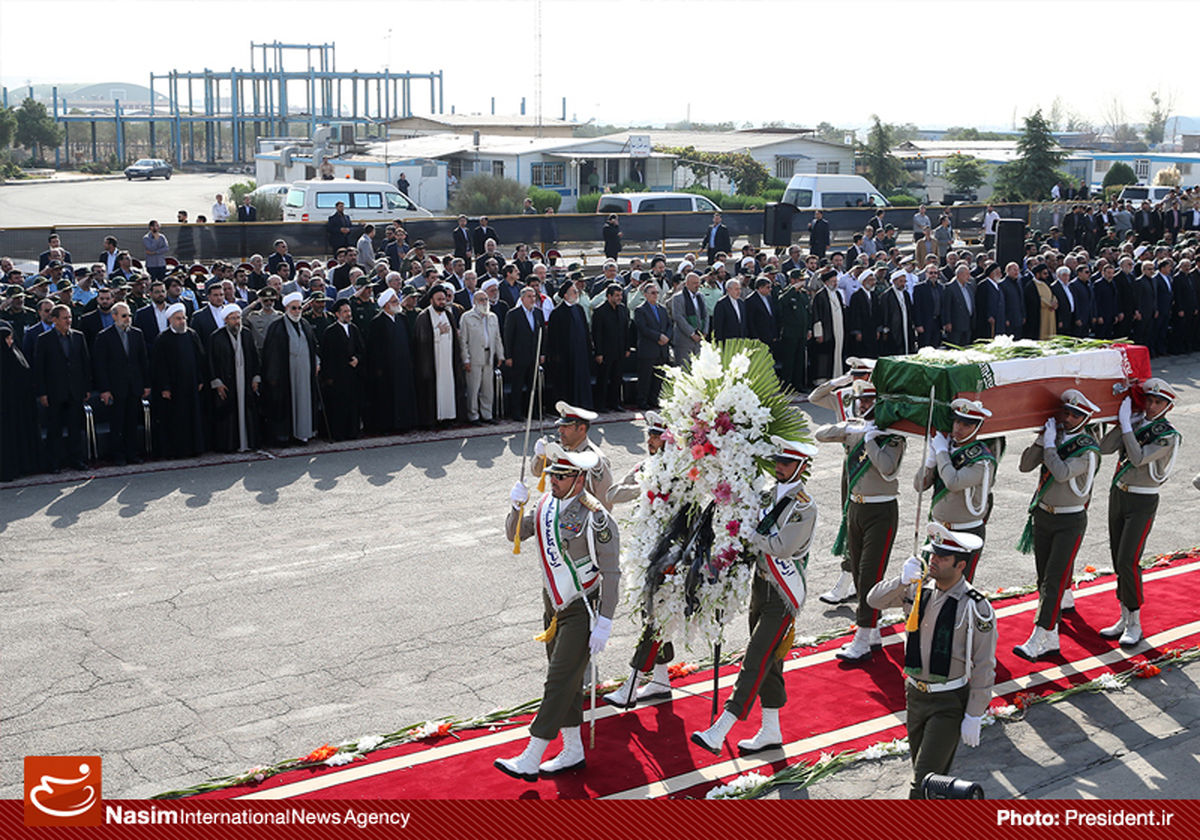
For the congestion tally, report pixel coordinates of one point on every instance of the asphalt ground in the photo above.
(194, 622)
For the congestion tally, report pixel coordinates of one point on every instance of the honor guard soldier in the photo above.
(578, 550)
(870, 513)
(783, 537)
(653, 656)
(1147, 444)
(838, 396)
(573, 426)
(961, 469)
(1058, 513)
(950, 652)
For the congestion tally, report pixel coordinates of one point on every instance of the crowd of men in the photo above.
(397, 338)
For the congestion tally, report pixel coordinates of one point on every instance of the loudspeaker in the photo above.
(777, 224)
(1010, 241)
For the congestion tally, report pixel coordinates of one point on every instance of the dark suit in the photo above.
(896, 341)
(29, 341)
(340, 383)
(610, 341)
(1081, 320)
(862, 324)
(481, 235)
(204, 324)
(761, 322)
(818, 237)
(91, 325)
(1148, 225)
(989, 310)
(247, 213)
(926, 309)
(126, 375)
(333, 232)
(1144, 305)
(956, 315)
(1014, 306)
(520, 345)
(65, 381)
(462, 242)
(1104, 308)
(1064, 316)
(651, 321)
(717, 239)
(725, 321)
(1164, 295)
(144, 319)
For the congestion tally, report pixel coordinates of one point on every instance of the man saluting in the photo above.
(578, 550)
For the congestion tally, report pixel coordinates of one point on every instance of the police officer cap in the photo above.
(655, 423)
(792, 450)
(561, 462)
(970, 410)
(570, 414)
(943, 541)
(1155, 387)
(1075, 400)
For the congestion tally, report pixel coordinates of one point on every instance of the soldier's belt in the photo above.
(962, 526)
(870, 500)
(1133, 488)
(935, 688)
(1062, 509)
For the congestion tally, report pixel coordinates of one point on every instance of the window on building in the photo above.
(1141, 168)
(498, 168)
(280, 175)
(360, 173)
(828, 167)
(785, 168)
(548, 174)
(935, 167)
(1184, 168)
(1102, 165)
(612, 171)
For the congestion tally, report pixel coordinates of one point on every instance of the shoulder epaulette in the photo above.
(803, 498)
(590, 502)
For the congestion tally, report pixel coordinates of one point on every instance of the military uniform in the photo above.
(962, 484)
(1146, 457)
(949, 667)
(870, 514)
(794, 319)
(362, 312)
(599, 477)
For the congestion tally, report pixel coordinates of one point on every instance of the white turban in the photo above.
(228, 309)
(490, 283)
(387, 297)
(294, 297)
(176, 307)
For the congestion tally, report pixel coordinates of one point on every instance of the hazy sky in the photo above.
(932, 63)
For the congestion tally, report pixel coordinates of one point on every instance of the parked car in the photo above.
(148, 168)
(831, 192)
(655, 202)
(280, 190)
(366, 201)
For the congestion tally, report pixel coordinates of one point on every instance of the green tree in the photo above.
(830, 133)
(1119, 174)
(965, 172)
(487, 194)
(748, 175)
(1156, 120)
(36, 128)
(8, 127)
(1030, 177)
(883, 168)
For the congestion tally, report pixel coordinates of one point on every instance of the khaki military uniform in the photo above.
(589, 539)
(941, 686)
(627, 489)
(258, 320)
(599, 478)
(961, 502)
(1146, 456)
(772, 606)
(1059, 515)
(870, 513)
(837, 396)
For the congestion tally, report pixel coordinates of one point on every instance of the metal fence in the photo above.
(642, 232)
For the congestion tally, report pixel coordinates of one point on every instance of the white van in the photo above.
(1136, 195)
(655, 202)
(831, 192)
(366, 201)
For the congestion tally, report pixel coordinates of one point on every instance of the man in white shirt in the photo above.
(990, 219)
(220, 210)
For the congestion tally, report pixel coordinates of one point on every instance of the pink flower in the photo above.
(668, 438)
(734, 527)
(723, 423)
(694, 473)
(697, 407)
(698, 452)
(723, 492)
(726, 557)
(699, 434)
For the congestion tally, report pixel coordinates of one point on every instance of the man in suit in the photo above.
(958, 308)
(151, 319)
(1077, 227)
(989, 305)
(926, 300)
(689, 313)
(1164, 301)
(462, 241)
(342, 354)
(1145, 306)
(62, 382)
(729, 313)
(44, 323)
(1147, 223)
(482, 234)
(110, 255)
(760, 315)
(818, 234)
(99, 318)
(521, 327)
(716, 241)
(1081, 293)
(208, 319)
(654, 327)
(610, 341)
(482, 351)
(247, 212)
(1014, 300)
(898, 330)
(863, 319)
(337, 229)
(121, 368)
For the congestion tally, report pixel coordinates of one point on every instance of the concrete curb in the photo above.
(72, 179)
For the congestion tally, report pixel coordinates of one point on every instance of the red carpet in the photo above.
(647, 753)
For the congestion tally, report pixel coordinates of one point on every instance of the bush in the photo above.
(587, 202)
(544, 198)
(483, 195)
(270, 208)
(773, 195)
(9, 171)
(774, 184)
(1118, 175)
(903, 199)
(240, 189)
(101, 167)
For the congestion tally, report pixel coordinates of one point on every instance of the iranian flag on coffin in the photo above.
(1020, 382)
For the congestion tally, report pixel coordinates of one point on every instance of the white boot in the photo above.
(1068, 599)
(842, 591)
(659, 687)
(1112, 631)
(571, 757)
(1041, 643)
(620, 697)
(768, 736)
(1133, 629)
(525, 765)
(713, 738)
(859, 648)
(876, 639)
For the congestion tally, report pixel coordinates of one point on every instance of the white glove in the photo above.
(931, 459)
(1049, 434)
(911, 571)
(600, 634)
(1125, 415)
(939, 443)
(519, 494)
(539, 446)
(870, 430)
(970, 730)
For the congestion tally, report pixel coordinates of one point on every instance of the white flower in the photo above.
(369, 742)
(824, 759)
(737, 787)
(874, 752)
(1108, 682)
(338, 759)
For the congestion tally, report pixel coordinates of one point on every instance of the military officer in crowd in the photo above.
(573, 427)
(837, 396)
(578, 549)
(782, 538)
(1068, 459)
(653, 656)
(950, 652)
(961, 468)
(795, 322)
(1147, 444)
(870, 513)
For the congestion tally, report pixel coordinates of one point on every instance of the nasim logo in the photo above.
(62, 790)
